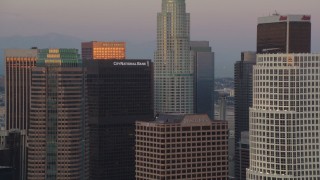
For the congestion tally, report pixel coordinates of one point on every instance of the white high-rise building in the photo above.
(173, 64)
(285, 118)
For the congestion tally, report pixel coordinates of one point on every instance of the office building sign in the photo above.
(136, 63)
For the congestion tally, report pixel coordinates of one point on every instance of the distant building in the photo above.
(173, 64)
(103, 50)
(2, 115)
(13, 147)
(284, 118)
(223, 108)
(243, 77)
(119, 94)
(231, 94)
(244, 156)
(284, 34)
(10, 155)
(18, 64)
(3, 135)
(203, 58)
(182, 147)
(57, 135)
(2, 82)
(231, 154)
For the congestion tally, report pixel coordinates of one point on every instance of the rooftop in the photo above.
(187, 120)
(275, 18)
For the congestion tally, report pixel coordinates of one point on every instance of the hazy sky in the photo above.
(229, 25)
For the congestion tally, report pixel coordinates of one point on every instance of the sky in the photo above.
(230, 26)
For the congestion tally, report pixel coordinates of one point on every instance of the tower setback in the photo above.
(173, 64)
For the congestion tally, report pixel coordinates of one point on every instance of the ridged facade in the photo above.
(58, 117)
(285, 118)
(173, 64)
(19, 63)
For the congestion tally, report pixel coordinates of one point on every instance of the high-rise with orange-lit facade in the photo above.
(18, 65)
(103, 50)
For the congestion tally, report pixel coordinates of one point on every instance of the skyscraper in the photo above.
(243, 92)
(18, 63)
(242, 101)
(173, 64)
(284, 118)
(119, 94)
(57, 135)
(103, 50)
(284, 34)
(182, 147)
(203, 58)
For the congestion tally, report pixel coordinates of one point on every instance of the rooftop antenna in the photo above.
(276, 13)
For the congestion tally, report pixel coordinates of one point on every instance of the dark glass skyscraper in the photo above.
(243, 99)
(119, 94)
(284, 34)
(243, 156)
(10, 155)
(203, 58)
(57, 135)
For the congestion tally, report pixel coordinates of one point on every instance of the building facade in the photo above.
(173, 64)
(223, 107)
(203, 58)
(18, 64)
(57, 135)
(182, 147)
(119, 94)
(244, 156)
(10, 154)
(284, 118)
(6, 172)
(243, 92)
(284, 34)
(103, 50)
(243, 74)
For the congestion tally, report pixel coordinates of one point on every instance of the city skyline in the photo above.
(230, 30)
(117, 114)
